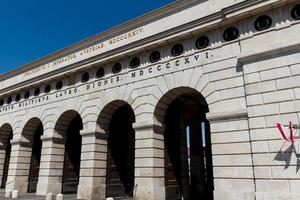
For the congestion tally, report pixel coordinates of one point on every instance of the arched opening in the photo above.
(6, 135)
(188, 159)
(69, 126)
(118, 118)
(33, 131)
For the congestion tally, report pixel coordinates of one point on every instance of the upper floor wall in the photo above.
(134, 36)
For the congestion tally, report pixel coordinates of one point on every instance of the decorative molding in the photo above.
(55, 139)
(148, 126)
(227, 116)
(97, 134)
(254, 55)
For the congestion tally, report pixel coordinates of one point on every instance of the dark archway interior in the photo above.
(188, 160)
(121, 147)
(6, 160)
(35, 159)
(72, 156)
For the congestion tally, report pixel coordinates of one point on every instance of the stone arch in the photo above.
(167, 98)
(116, 122)
(187, 144)
(64, 121)
(5, 129)
(30, 128)
(32, 133)
(106, 114)
(68, 128)
(6, 134)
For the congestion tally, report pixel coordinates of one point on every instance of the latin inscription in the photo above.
(86, 52)
(104, 83)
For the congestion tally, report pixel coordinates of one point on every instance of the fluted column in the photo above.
(92, 182)
(149, 162)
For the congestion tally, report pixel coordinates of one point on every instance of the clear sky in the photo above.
(31, 29)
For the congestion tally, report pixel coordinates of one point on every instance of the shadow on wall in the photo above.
(286, 156)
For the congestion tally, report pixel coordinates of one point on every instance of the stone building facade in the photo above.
(181, 103)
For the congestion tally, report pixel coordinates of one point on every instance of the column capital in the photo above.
(54, 138)
(20, 141)
(157, 128)
(98, 134)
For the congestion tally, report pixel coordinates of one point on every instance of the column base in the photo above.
(20, 185)
(48, 185)
(91, 192)
(149, 193)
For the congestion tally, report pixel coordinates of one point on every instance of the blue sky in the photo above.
(31, 29)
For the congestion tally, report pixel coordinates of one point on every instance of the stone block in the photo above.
(233, 172)
(262, 172)
(59, 197)
(149, 162)
(278, 186)
(231, 148)
(229, 83)
(229, 126)
(149, 143)
(260, 87)
(8, 193)
(289, 107)
(232, 160)
(252, 78)
(232, 93)
(278, 96)
(294, 186)
(275, 73)
(283, 119)
(295, 69)
(15, 194)
(260, 147)
(234, 185)
(263, 110)
(228, 105)
(254, 99)
(257, 122)
(49, 196)
(287, 83)
(229, 137)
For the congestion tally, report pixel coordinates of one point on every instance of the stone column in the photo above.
(149, 162)
(19, 165)
(51, 166)
(92, 182)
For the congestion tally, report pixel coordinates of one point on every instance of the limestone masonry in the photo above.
(181, 103)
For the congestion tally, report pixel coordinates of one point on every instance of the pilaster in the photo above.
(92, 182)
(19, 165)
(51, 166)
(149, 162)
